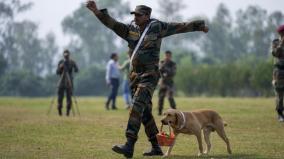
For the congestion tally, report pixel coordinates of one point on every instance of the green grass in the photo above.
(26, 131)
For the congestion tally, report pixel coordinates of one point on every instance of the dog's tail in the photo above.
(225, 124)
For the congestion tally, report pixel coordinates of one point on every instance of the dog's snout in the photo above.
(164, 122)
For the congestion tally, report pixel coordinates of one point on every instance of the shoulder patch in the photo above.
(133, 33)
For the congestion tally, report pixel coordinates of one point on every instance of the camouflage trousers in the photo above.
(142, 88)
(166, 90)
(278, 83)
(279, 93)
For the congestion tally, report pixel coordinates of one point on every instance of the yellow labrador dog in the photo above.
(193, 123)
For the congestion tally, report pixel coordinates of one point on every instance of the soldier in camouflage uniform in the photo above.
(168, 71)
(144, 74)
(65, 69)
(278, 72)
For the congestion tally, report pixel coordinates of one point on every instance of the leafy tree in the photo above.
(218, 43)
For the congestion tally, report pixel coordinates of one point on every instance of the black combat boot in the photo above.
(155, 150)
(107, 105)
(60, 112)
(172, 103)
(68, 109)
(126, 149)
(68, 112)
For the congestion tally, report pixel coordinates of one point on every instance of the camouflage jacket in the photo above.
(278, 53)
(147, 58)
(69, 66)
(168, 71)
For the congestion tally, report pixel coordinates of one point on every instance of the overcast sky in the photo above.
(49, 13)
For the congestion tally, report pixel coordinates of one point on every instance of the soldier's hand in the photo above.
(205, 29)
(92, 6)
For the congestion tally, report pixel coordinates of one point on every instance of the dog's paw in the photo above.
(206, 152)
(166, 156)
(200, 154)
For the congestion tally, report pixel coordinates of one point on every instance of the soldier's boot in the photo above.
(127, 149)
(59, 108)
(155, 150)
(68, 109)
(60, 112)
(68, 112)
(107, 104)
(113, 107)
(172, 103)
(280, 113)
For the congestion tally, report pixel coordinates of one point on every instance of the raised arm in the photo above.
(176, 28)
(119, 28)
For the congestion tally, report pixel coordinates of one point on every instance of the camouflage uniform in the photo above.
(278, 74)
(65, 84)
(168, 71)
(144, 75)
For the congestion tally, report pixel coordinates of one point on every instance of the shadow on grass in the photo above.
(234, 156)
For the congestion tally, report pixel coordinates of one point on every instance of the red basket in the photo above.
(165, 139)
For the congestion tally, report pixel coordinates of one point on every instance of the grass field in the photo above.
(26, 131)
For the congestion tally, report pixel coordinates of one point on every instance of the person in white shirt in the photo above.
(112, 80)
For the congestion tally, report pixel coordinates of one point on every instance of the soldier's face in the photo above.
(66, 56)
(140, 19)
(168, 56)
(115, 58)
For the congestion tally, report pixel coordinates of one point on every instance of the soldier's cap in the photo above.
(66, 52)
(142, 10)
(280, 28)
(168, 52)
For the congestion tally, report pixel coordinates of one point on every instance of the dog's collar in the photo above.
(183, 118)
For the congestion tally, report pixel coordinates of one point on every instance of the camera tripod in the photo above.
(70, 86)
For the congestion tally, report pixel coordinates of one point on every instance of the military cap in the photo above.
(142, 9)
(168, 52)
(280, 28)
(66, 52)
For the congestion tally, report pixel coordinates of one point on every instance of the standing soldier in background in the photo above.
(125, 67)
(168, 71)
(65, 69)
(144, 41)
(278, 72)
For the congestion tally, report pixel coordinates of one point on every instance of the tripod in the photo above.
(69, 86)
